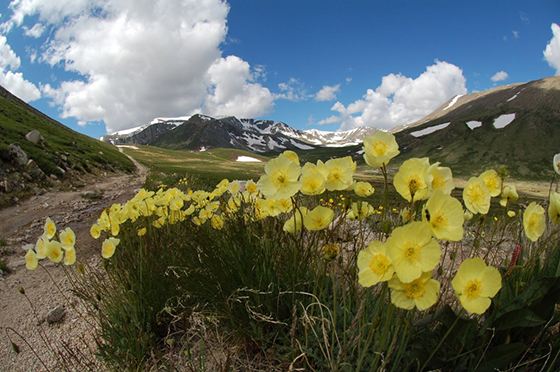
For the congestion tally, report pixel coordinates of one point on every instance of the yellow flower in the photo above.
(511, 213)
(442, 178)
(294, 224)
(475, 284)
(281, 178)
(413, 181)
(312, 180)
(103, 221)
(54, 251)
(413, 250)
(49, 228)
(108, 247)
(509, 193)
(374, 266)
(175, 204)
(445, 215)
(67, 239)
(41, 247)
(380, 148)
(554, 207)
(217, 222)
(95, 231)
(318, 219)
(421, 293)
(360, 211)
(534, 221)
(406, 215)
(292, 156)
(70, 257)
(363, 189)
(492, 181)
(556, 163)
(468, 215)
(476, 196)
(330, 251)
(31, 260)
(234, 187)
(251, 187)
(338, 173)
(142, 231)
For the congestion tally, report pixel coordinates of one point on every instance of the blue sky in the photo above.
(103, 64)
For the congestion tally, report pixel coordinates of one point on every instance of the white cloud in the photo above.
(292, 90)
(138, 59)
(18, 86)
(552, 51)
(499, 76)
(36, 31)
(8, 58)
(400, 99)
(330, 120)
(327, 93)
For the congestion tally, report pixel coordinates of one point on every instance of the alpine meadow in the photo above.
(342, 187)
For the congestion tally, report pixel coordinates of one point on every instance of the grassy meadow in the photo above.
(311, 268)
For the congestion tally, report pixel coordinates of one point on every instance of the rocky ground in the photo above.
(54, 315)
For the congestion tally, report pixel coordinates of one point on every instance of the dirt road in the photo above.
(22, 224)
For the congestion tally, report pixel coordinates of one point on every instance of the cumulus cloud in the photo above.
(499, 76)
(139, 59)
(12, 80)
(552, 50)
(333, 119)
(36, 31)
(400, 99)
(292, 90)
(327, 93)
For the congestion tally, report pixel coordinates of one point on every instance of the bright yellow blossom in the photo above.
(476, 196)
(442, 179)
(511, 213)
(234, 187)
(312, 180)
(374, 265)
(281, 178)
(217, 222)
(70, 257)
(380, 148)
(445, 215)
(413, 181)
(363, 189)
(49, 228)
(67, 239)
(534, 222)
(294, 224)
(413, 250)
(142, 231)
(338, 173)
(475, 284)
(360, 211)
(492, 181)
(509, 193)
(54, 251)
(554, 207)
(108, 247)
(291, 155)
(41, 247)
(318, 219)
(251, 187)
(421, 293)
(31, 260)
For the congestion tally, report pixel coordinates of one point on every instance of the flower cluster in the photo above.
(61, 250)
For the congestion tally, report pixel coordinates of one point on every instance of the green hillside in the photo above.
(62, 152)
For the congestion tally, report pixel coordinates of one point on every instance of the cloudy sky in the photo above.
(105, 65)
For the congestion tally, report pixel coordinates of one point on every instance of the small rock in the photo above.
(34, 170)
(54, 177)
(63, 157)
(62, 171)
(34, 137)
(17, 154)
(56, 315)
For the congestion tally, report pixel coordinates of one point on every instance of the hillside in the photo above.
(517, 126)
(52, 154)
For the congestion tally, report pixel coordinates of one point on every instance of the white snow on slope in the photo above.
(301, 145)
(503, 120)
(474, 124)
(429, 130)
(513, 97)
(128, 147)
(453, 101)
(129, 131)
(247, 159)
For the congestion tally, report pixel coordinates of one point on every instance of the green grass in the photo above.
(85, 153)
(208, 167)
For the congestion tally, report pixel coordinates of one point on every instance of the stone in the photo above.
(34, 137)
(34, 170)
(61, 170)
(56, 314)
(17, 155)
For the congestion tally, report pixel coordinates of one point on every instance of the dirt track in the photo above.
(22, 224)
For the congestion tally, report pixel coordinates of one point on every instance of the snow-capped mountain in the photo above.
(201, 131)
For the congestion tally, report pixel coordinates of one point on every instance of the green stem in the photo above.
(440, 342)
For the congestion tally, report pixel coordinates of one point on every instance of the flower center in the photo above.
(414, 289)
(438, 221)
(411, 253)
(473, 288)
(379, 264)
(380, 148)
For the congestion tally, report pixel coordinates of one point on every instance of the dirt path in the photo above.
(22, 224)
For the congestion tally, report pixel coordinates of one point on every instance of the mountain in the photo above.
(37, 152)
(517, 126)
(201, 131)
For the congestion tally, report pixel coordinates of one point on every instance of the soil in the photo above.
(50, 287)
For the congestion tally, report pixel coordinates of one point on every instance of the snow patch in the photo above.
(514, 97)
(503, 120)
(429, 130)
(453, 101)
(128, 147)
(474, 124)
(129, 131)
(301, 146)
(247, 159)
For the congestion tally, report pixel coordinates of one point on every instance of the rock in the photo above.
(17, 155)
(64, 157)
(34, 137)
(61, 171)
(34, 170)
(53, 177)
(56, 314)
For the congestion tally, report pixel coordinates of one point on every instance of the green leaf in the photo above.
(501, 356)
(519, 318)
